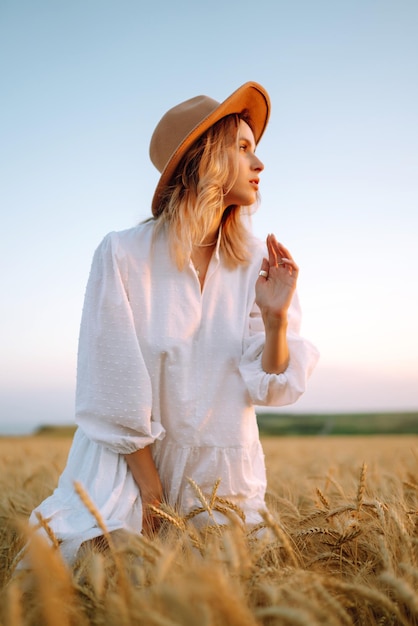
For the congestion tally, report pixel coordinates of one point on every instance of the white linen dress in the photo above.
(163, 362)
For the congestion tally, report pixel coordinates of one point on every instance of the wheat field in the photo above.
(338, 547)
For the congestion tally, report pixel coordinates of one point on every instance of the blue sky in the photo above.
(84, 84)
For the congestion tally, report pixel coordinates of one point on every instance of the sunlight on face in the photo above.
(243, 191)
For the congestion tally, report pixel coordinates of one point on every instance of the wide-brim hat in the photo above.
(182, 125)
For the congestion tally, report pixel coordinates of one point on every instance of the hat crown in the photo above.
(176, 125)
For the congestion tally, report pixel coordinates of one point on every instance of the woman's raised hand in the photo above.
(276, 283)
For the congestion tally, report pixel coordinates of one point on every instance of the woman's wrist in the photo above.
(151, 494)
(273, 321)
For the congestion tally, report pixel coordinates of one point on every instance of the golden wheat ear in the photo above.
(91, 507)
(361, 487)
(44, 523)
(44, 574)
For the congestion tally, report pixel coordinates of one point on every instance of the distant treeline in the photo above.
(338, 424)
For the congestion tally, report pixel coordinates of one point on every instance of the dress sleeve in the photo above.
(114, 395)
(277, 389)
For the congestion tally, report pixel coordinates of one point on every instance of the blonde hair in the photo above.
(195, 197)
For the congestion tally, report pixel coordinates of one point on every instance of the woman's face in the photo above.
(243, 191)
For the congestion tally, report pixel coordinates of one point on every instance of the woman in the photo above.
(188, 323)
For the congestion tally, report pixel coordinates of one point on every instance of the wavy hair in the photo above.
(195, 197)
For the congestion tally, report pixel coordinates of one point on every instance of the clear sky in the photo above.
(83, 85)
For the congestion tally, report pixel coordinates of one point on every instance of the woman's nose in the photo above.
(258, 165)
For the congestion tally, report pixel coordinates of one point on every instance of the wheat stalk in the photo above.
(53, 581)
(350, 533)
(313, 516)
(14, 606)
(225, 503)
(281, 535)
(214, 492)
(403, 591)
(90, 506)
(286, 615)
(361, 487)
(148, 548)
(333, 606)
(174, 520)
(323, 499)
(202, 499)
(98, 574)
(329, 556)
(256, 529)
(194, 512)
(44, 523)
(410, 485)
(370, 595)
(340, 510)
(315, 530)
(410, 570)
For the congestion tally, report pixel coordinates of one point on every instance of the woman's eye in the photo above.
(243, 147)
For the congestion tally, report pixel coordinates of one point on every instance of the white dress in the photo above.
(161, 362)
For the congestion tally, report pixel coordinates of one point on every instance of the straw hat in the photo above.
(179, 128)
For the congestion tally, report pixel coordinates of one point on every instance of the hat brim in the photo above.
(250, 97)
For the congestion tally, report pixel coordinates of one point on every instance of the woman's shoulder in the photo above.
(128, 241)
(138, 233)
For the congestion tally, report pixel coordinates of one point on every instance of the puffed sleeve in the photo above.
(277, 389)
(113, 396)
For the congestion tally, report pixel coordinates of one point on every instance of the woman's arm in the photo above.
(274, 294)
(275, 357)
(148, 480)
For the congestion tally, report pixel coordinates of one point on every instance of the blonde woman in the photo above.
(188, 322)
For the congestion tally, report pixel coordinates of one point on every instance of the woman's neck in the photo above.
(202, 253)
(211, 236)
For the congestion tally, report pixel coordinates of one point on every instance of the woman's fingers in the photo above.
(264, 269)
(273, 250)
(279, 255)
(282, 251)
(276, 251)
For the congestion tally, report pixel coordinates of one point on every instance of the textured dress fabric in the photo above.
(163, 362)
